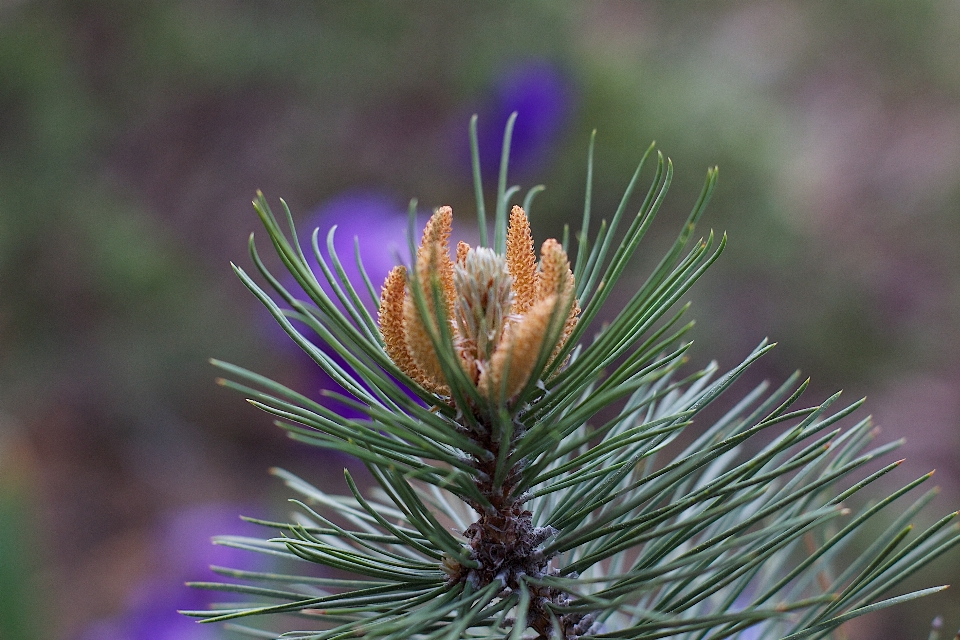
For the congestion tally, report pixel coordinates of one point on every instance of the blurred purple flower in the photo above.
(183, 552)
(376, 220)
(543, 98)
(743, 601)
(752, 633)
(380, 223)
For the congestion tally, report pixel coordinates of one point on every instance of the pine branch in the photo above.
(480, 395)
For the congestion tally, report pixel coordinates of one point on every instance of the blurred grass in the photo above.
(133, 135)
(17, 569)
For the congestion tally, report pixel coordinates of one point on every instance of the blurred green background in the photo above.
(134, 134)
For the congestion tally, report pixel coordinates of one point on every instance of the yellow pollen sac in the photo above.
(391, 320)
(521, 261)
(462, 249)
(516, 355)
(498, 309)
(556, 278)
(434, 274)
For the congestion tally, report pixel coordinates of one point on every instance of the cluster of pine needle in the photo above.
(516, 451)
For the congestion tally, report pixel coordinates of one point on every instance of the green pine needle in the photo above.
(555, 512)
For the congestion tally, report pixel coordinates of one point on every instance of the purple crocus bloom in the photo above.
(380, 224)
(742, 602)
(378, 221)
(542, 96)
(183, 552)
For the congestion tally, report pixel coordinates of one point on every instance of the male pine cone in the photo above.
(497, 312)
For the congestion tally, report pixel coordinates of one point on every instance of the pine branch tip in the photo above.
(453, 448)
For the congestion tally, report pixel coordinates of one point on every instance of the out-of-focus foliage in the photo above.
(133, 134)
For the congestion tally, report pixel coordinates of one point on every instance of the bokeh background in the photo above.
(133, 135)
